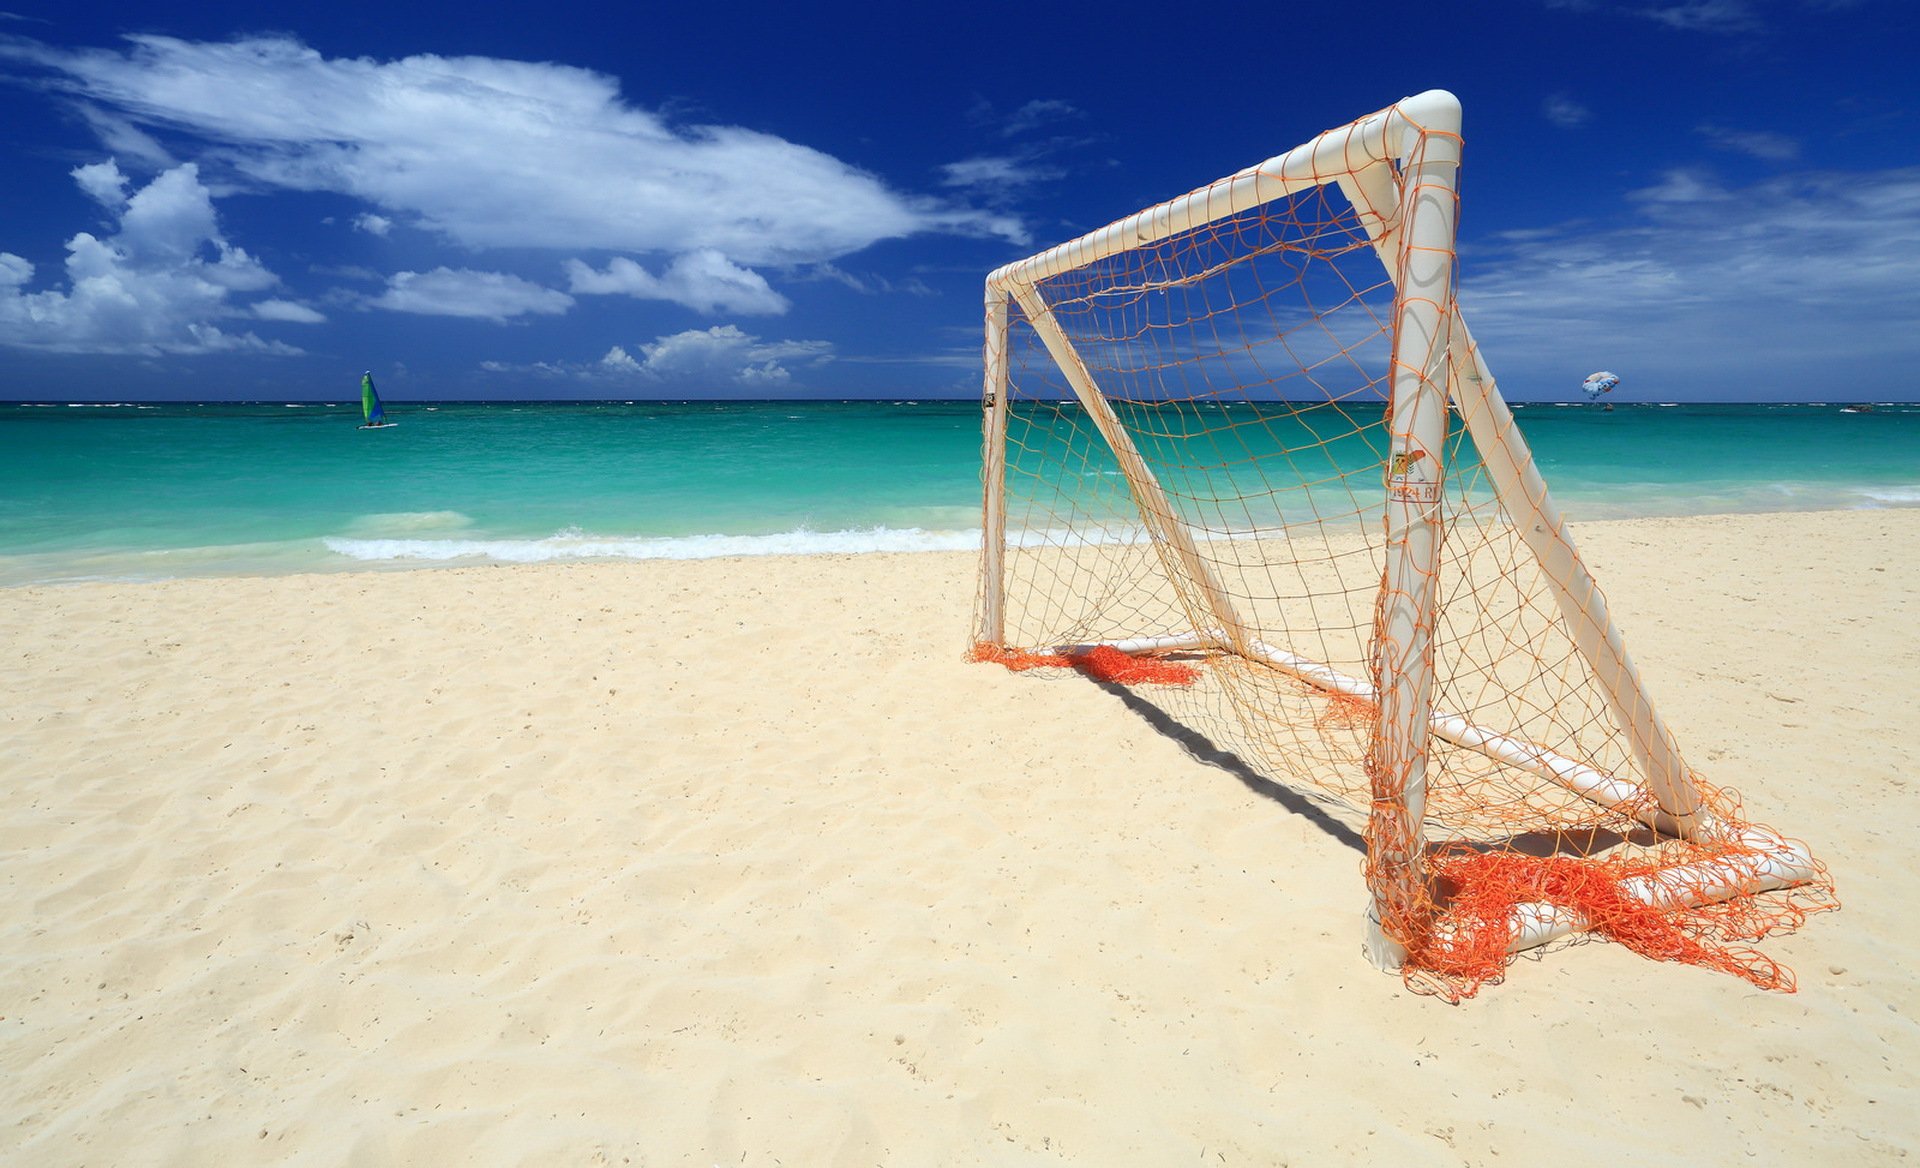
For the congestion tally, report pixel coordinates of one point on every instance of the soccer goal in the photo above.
(1246, 433)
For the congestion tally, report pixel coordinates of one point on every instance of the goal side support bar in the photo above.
(1522, 492)
(1152, 500)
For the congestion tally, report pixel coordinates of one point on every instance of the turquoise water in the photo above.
(152, 491)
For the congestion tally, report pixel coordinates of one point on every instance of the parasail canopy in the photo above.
(1599, 383)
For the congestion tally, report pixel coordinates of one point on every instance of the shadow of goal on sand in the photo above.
(1203, 749)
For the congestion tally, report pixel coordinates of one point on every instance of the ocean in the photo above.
(138, 491)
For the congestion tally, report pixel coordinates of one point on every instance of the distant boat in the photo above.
(370, 405)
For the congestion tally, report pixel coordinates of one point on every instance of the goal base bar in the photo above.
(1775, 862)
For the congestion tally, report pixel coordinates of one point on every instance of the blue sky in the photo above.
(1720, 199)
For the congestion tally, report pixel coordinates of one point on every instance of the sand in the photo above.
(738, 863)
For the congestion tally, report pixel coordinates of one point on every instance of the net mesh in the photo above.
(1248, 364)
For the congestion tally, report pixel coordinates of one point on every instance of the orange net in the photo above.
(1491, 887)
(1101, 663)
(1218, 425)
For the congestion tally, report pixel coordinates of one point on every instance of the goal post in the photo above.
(1423, 136)
(1249, 425)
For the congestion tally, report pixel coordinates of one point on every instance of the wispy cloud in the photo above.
(1565, 112)
(1761, 144)
(1729, 18)
(1039, 113)
(1004, 173)
(1807, 276)
(865, 283)
(155, 285)
(1713, 16)
(997, 174)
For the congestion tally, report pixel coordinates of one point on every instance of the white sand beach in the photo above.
(738, 862)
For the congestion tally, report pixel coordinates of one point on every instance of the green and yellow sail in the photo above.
(370, 407)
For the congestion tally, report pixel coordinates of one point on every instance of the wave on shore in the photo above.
(574, 545)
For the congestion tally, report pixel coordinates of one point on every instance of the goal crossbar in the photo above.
(1375, 141)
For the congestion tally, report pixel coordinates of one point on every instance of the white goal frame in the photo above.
(1398, 169)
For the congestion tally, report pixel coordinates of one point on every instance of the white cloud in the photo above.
(1681, 187)
(288, 311)
(103, 182)
(702, 280)
(492, 296)
(718, 360)
(154, 286)
(495, 153)
(725, 353)
(1565, 112)
(1807, 278)
(373, 224)
(619, 361)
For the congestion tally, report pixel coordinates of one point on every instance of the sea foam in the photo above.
(574, 545)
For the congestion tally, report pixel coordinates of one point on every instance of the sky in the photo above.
(1717, 199)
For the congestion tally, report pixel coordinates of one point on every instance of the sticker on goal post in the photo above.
(1407, 478)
